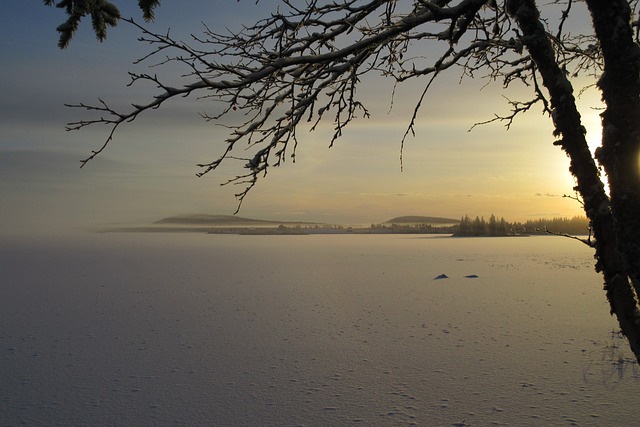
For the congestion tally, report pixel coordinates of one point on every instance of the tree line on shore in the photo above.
(577, 225)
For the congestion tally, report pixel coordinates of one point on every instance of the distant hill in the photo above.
(219, 220)
(238, 221)
(422, 220)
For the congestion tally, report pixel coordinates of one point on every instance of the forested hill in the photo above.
(202, 219)
(422, 220)
(232, 220)
(223, 221)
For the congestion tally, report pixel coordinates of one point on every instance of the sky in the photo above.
(148, 171)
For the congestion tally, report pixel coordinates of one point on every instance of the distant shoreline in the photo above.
(275, 231)
(419, 225)
(297, 231)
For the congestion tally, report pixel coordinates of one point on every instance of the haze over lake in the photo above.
(197, 329)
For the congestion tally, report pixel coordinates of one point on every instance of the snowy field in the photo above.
(226, 330)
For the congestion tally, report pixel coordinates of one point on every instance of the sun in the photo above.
(593, 124)
(590, 105)
(594, 131)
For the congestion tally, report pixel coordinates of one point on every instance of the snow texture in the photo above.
(156, 329)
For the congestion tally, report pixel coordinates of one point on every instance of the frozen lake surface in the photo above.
(196, 329)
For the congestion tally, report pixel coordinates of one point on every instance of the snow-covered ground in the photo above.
(196, 329)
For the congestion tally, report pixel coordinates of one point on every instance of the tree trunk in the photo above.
(620, 150)
(606, 230)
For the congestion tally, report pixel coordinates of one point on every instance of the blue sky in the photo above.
(148, 171)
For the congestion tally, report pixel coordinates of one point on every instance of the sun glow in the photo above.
(594, 131)
(593, 125)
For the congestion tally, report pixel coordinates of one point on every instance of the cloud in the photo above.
(548, 195)
(53, 167)
(44, 190)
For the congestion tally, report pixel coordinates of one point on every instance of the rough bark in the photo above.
(620, 150)
(609, 258)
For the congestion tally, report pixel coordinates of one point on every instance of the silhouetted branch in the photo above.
(304, 65)
(586, 241)
(103, 14)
